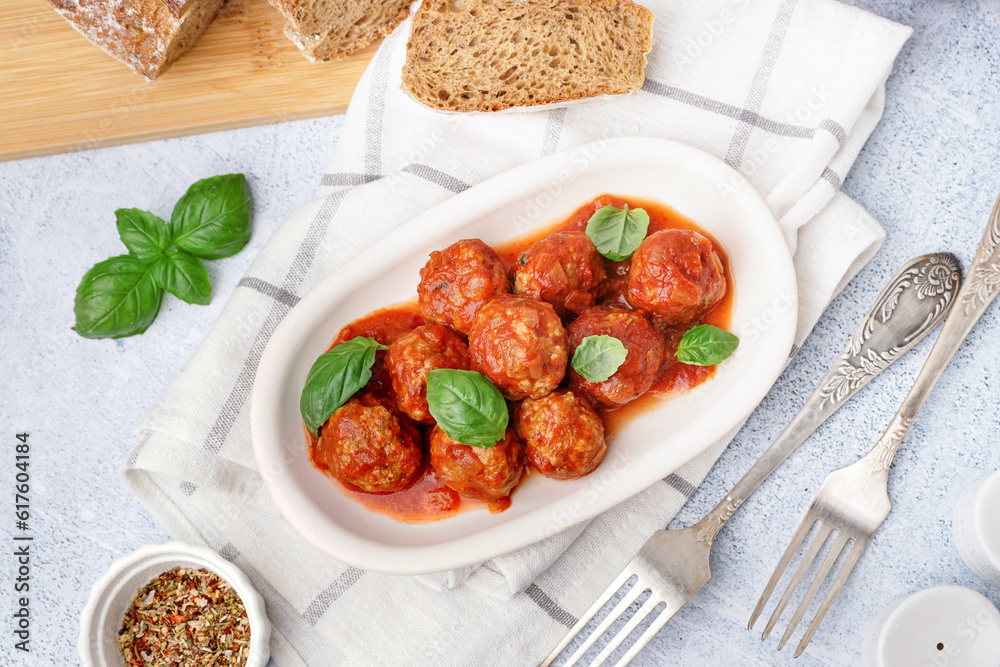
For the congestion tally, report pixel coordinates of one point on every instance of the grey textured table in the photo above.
(929, 174)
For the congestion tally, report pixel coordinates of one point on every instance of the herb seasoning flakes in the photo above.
(186, 617)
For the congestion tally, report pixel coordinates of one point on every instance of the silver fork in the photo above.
(674, 564)
(854, 501)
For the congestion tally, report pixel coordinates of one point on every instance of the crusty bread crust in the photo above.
(489, 55)
(327, 30)
(176, 7)
(146, 35)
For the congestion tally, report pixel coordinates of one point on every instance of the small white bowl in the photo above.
(112, 594)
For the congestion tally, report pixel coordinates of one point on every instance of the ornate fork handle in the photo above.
(910, 306)
(976, 294)
(934, 277)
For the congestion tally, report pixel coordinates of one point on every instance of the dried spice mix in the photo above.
(186, 617)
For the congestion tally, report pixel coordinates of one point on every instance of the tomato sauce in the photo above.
(427, 498)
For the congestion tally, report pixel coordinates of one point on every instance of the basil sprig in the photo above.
(706, 345)
(121, 296)
(599, 357)
(336, 376)
(467, 406)
(617, 232)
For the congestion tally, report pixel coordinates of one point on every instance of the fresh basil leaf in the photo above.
(116, 298)
(213, 218)
(183, 275)
(467, 406)
(145, 235)
(599, 357)
(706, 345)
(617, 232)
(335, 377)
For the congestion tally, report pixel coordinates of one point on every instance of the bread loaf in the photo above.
(332, 29)
(488, 55)
(146, 35)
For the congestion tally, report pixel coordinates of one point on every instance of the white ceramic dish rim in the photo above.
(101, 610)
(312, 521)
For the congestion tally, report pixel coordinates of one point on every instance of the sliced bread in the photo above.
(488, 55)
(332, 29)
(146, 35)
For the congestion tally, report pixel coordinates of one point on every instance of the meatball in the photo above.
(676, 275)
(563, 269)
(563, 436)
(410, 358)
(458, 280)
(480, 473)
(520, 345)
(644, 344)
(366, 444)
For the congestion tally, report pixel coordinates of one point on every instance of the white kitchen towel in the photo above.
(785, 91)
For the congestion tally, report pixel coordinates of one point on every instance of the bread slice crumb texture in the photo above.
(325, 30)
(489, 55)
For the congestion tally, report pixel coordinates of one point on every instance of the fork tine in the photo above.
(852, 559)
(793, 546)
(627, 600)
(608, 593)
(616, 639)
(821, 536)
(648, 634)
(831, 558)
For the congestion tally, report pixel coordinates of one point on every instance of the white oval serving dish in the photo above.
(113, 593)
(507, 206)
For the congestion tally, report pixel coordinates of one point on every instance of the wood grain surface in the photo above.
(59, 93)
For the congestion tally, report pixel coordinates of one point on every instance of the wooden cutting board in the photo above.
(60, 93)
